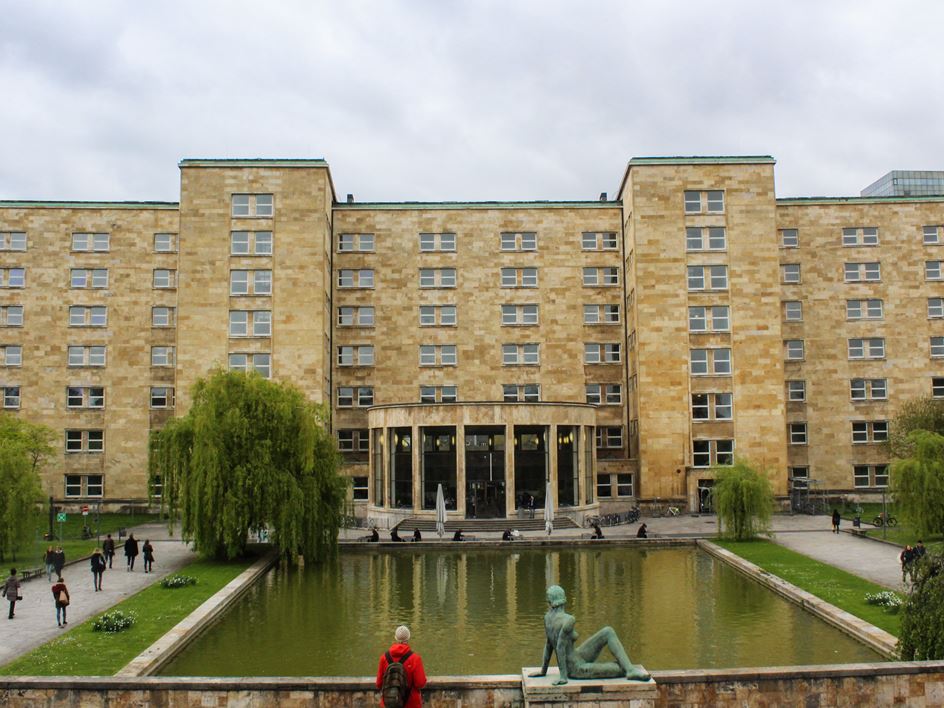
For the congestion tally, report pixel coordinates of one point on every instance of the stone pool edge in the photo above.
(180, 635)
(878, 639)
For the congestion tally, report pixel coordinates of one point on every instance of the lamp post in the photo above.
(884, 517)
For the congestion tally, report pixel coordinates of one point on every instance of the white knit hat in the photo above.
(402, 634)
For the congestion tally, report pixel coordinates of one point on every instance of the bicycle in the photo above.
(883, 520)
(672, 511)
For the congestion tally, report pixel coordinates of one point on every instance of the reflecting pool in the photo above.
(480, 612)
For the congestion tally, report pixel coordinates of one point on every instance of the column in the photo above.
(509, 470)
(552, 452)
(460, 468)
(417, 461)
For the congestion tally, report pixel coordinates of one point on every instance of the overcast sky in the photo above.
(473, 100)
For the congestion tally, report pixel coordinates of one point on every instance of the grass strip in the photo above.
(837, 587)
(83, 652)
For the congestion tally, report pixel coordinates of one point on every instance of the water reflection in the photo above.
(480, 611)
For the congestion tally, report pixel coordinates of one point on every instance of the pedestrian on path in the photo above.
(61, 595)
(59, 560)
(920, 550)
(98, 569)
(11, 591)
(49, 560)
(836, 520)
(907, 558)
(148, 556)
(108, 549)
(131, 552)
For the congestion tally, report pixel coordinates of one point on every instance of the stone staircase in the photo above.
(427, 525)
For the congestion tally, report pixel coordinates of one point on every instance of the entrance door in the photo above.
(485, 473)
(485, 500)
(705, 498)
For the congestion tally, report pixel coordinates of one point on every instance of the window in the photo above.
(789, 238)
(437, 277)
(260, 363)
(932, 271)
(796, 432)
(11, 316)
(12, 277)
(519, 315)
(438, 355)
(705, 238)
(704, 319)
(81, 316)
(357, 440)
(864, 309)
(705, 362)
(441, 315)
(792, 311)
(799, 477)
(869, 431)
(525, 241)
(162, 356)
(711, 201)
(937, 347)
(250, 323)
(359, 355)
(164, 278)
(162, 397)
(85, 441)
(870, 475)
(361, 396)
(706, 453)
(609, 437)
(438, 394)
(933, 235)
(609, 394)
(437, 242)
(12, 355)
(12, 241)
(165, 243)
(163, 316)
(600, 277)
(250, 282)
(98, 243)
(937, 387)
(250, 243)
(519, 277)
(868, 389)
(793, 349)
(713, 277)
(863, 236)
(790, 273)
(796, 391)
(84, 485)
(606, 353)
(935, 307)
(248, 205)
(11, 396)
(520, 355)
(604, 486)
(363, 243)
(712, 406)
(862, 272)
(868, 348)
(521, 393)
(356, 278)
(89, 278)
(362, 316)
(598, 241)
(85, 397)
(80, 356)
(601, 314)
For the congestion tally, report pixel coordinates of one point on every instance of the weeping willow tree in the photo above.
(250, 455)
(918, 483)
(922, 614)
(24, 447)
(743, 500)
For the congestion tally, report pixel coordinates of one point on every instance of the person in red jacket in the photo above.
(413, 665)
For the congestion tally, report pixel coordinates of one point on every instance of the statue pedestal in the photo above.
(600, 693)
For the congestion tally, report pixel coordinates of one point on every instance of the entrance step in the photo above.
(427, 525)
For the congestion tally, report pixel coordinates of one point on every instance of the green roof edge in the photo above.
(41, 204)
(799, 201)
(705, 160)
(252, 162)
(480, 205)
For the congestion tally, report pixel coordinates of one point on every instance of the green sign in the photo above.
(61, 516)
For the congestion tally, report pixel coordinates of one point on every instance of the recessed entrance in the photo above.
(485, 472)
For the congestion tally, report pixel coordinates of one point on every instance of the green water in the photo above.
(480, 612)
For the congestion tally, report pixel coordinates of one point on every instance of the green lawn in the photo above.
(842, 589)
(82, 652)
(904, 535)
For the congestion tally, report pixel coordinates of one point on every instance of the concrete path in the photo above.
(35, 620)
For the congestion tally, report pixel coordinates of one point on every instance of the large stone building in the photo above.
(614, 349)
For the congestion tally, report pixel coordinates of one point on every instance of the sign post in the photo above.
(61, 518)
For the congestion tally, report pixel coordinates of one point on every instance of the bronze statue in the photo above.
(581, 663)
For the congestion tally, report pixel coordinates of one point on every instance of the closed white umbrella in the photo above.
(440, 511)
(548, 510)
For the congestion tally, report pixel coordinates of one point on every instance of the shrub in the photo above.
(178, 581)
(114, 621)
(922, 614)
(887, 599)
(743, 499)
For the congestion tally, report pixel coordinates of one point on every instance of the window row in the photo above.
(446, 315)
(857, 348)
(710, 453)
(261, 363)
(712, 406)
(707, 277)
(861, 272)
(863, 432)
(445, 242)
(250, 282)
(710, 201)
(932, 235)
(250, 243)
(859, 390)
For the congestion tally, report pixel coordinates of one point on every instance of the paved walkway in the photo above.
(35, 620)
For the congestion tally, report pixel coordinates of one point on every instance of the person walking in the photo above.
(11, 591)
(836, 519)
(61, 595)
(907, 558)
(148, 550)
(98, 568)
(108, 549)
(49, 560)
(400, 673)
(131, 551)
(919, 550)
(59, 561)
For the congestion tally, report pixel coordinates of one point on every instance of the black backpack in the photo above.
(394, 689)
